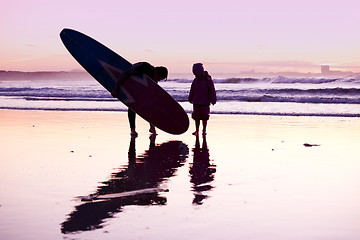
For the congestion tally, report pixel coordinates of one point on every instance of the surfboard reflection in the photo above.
(201, 171)
(149, 170)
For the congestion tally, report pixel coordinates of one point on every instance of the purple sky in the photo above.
(227, 36)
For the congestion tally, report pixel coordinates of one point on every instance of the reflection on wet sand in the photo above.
(146, 171)
(201, 171)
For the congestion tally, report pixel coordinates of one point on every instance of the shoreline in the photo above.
(189, 113)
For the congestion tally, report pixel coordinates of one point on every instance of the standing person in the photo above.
(202, 93)
(155, 73)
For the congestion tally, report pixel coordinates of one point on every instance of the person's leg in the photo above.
(132, 117)
(204, 126)
(205, 117)
(197, 125)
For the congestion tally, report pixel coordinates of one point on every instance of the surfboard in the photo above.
(140, 93)
(93, 197)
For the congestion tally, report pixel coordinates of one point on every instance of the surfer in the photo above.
(155, 73)
(202, 93)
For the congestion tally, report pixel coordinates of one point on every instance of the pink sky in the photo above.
(227, 36)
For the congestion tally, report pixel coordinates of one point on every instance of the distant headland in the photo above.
(19, 75)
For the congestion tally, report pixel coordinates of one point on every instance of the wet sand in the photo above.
(253, 178)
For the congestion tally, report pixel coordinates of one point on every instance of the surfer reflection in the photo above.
(143, 174)
(201, 171)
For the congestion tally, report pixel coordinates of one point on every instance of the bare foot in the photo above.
(133, 134)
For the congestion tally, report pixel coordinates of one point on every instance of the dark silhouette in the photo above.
(159, 163)
(201, 171)
(202, 94)
(155, 73)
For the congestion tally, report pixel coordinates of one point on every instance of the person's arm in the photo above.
(191, 94)
(213, 98)
(135, 69)
(126, 74)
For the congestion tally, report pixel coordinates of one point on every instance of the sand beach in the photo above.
(252, 177)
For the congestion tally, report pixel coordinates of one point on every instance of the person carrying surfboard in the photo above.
(155, 73)
(202, 93)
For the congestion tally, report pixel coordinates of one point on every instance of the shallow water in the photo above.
(252, 179)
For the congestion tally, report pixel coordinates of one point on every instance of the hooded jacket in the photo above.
(202, 91)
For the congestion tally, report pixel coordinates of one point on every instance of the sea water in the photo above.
(307, 96)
